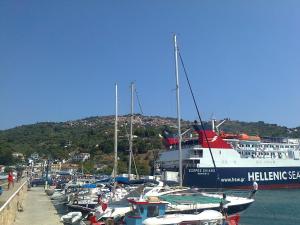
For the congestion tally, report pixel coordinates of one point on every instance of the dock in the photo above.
(38, 209)
(20, 206)
(7, 193)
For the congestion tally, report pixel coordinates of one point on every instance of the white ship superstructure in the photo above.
(239, 161)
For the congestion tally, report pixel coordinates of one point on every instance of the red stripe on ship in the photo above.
(267, 186)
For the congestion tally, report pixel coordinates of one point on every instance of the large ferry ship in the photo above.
(235, 161)
(219, 160)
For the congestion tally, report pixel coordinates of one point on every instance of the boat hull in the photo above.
(232, 209)
(242, 177)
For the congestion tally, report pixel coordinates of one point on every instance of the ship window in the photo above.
(152, 211)
(198, 153)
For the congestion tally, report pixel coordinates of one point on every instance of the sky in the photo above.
(60, 60)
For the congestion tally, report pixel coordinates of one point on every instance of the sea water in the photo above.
(274, 207)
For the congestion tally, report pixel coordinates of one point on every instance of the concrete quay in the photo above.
(7, 193)
(11, 201)
(38, 209)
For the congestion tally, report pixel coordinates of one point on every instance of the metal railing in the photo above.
(8, 210)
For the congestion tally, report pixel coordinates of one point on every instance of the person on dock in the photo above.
(19, 175)
(10, 180)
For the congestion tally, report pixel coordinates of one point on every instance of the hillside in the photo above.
(95, 136)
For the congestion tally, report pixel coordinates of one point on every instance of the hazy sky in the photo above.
(59, 60)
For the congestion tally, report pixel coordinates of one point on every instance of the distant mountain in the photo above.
(95, 135)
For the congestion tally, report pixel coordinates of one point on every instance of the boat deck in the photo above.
(188, 199)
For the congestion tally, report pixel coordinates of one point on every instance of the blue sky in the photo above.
(59, 60)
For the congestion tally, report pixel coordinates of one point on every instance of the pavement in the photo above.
(38, 209)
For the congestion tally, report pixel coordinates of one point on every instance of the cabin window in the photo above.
(142, 209)
(152, 211)
(134, 211)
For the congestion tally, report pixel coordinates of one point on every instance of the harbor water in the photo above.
(274, 207)
(271, 207)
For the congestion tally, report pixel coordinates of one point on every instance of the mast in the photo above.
(116, 136)
(130, 137)
(178, 111)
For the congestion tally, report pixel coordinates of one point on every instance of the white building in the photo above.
(81, 157)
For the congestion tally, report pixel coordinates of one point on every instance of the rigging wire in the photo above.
(138, 100)
(197, 109)
(136, 171)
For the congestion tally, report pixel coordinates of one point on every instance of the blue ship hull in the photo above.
(242, 178)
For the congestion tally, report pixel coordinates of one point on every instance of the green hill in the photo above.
(95, 136)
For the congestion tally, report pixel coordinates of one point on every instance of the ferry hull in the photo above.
(243, 178)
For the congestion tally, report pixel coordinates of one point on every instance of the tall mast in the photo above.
(130, 137)
(116, 136)
(178, 111)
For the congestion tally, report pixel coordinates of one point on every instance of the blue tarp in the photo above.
(89, 186)
(122, 180)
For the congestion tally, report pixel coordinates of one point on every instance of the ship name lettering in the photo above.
(209, 170)
(293, 175)
(271, 175)
(195, 170)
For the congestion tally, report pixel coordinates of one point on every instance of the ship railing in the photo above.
(238, 192)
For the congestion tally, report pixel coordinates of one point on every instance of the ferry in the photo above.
(213, 159)
(225, 161)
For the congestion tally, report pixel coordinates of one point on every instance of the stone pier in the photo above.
(38, 209)
(11, 201)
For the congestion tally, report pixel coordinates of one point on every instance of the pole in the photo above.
(178, 111)
(116, 135)
(47, 171)
(130, 137)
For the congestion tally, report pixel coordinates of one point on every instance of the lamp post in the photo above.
(47, 171)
